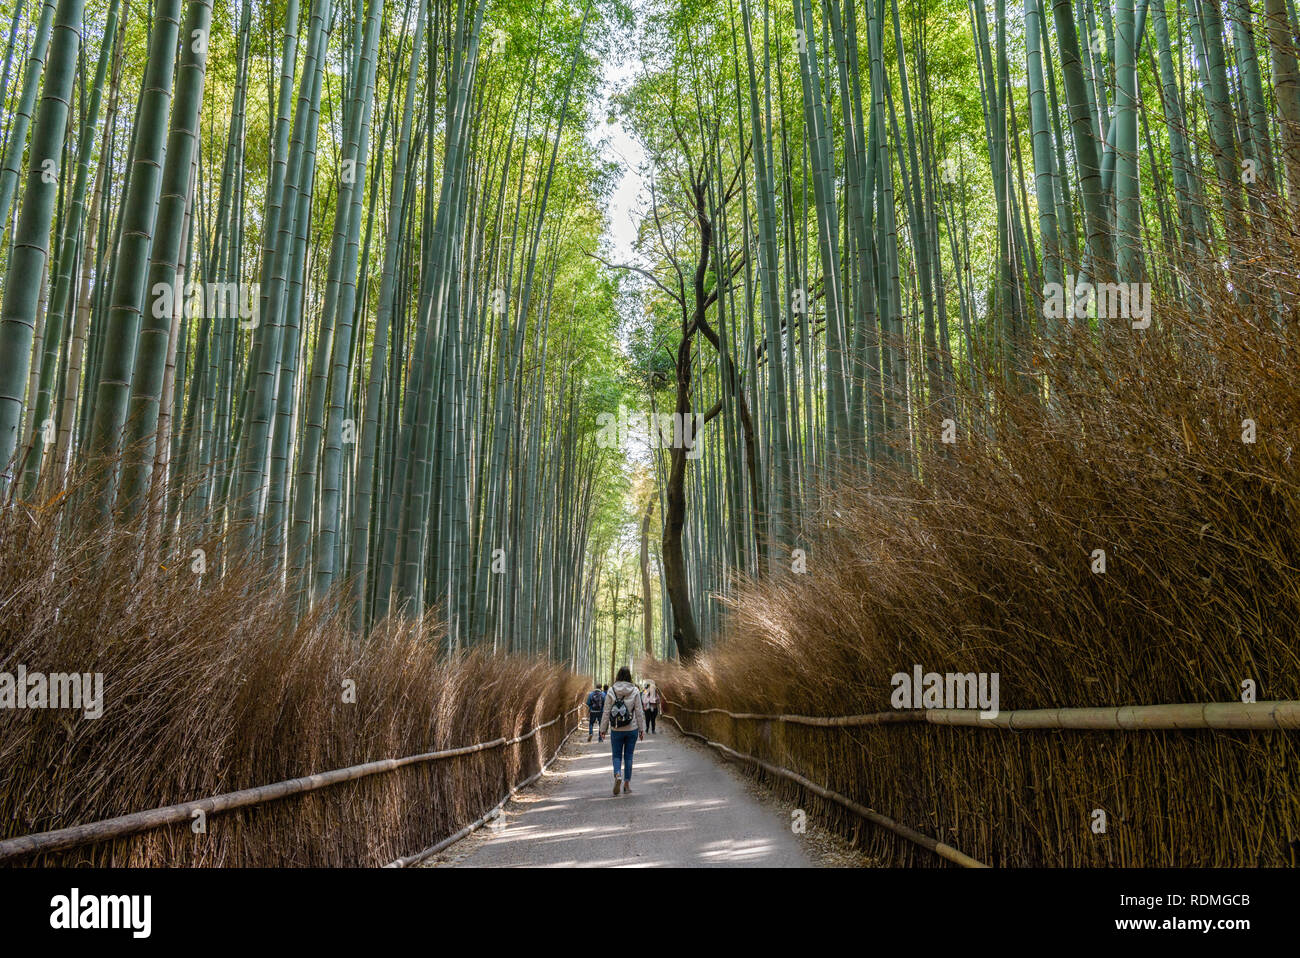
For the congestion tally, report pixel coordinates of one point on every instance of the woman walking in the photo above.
(650, 698)
(624, 718)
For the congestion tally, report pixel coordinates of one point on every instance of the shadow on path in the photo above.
(685, 810)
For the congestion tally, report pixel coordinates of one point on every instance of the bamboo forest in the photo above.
(900, 394)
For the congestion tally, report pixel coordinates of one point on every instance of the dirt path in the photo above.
(685, 810)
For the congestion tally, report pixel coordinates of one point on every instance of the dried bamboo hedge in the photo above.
(136, 823)
(1131, 542)
(216, 689)
(1026, 795)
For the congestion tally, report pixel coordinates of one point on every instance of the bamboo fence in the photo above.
(1196, 715)
(925, 841)
(493, 812)
(1228, 716)
(137, 822)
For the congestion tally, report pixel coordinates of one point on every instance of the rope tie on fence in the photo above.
(137, 822)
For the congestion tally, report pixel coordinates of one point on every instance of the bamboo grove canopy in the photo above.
(327, 288)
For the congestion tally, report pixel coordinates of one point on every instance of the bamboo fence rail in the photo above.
(410, 860)
(938, 847)
(1229, 716)
(137, 822)
(1195, 715)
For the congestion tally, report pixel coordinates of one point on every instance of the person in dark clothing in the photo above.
(595, 705)
(650, 700)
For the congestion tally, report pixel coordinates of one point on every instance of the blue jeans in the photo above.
(622, 744)
(593, 720)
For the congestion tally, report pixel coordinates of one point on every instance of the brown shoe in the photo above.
(617, 782)
(627, 787)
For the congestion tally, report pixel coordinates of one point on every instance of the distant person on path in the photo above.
(624, 719)
(651, 699)
(595, 705)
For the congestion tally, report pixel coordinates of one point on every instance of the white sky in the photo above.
(630, 198)
(615, 143)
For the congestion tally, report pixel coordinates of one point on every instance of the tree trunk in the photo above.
(1286, 89)
(647, 610)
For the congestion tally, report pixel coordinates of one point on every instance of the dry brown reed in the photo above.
(986, 565)
(216, 685)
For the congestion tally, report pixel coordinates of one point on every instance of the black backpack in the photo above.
(595, 701)
(620, 713)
